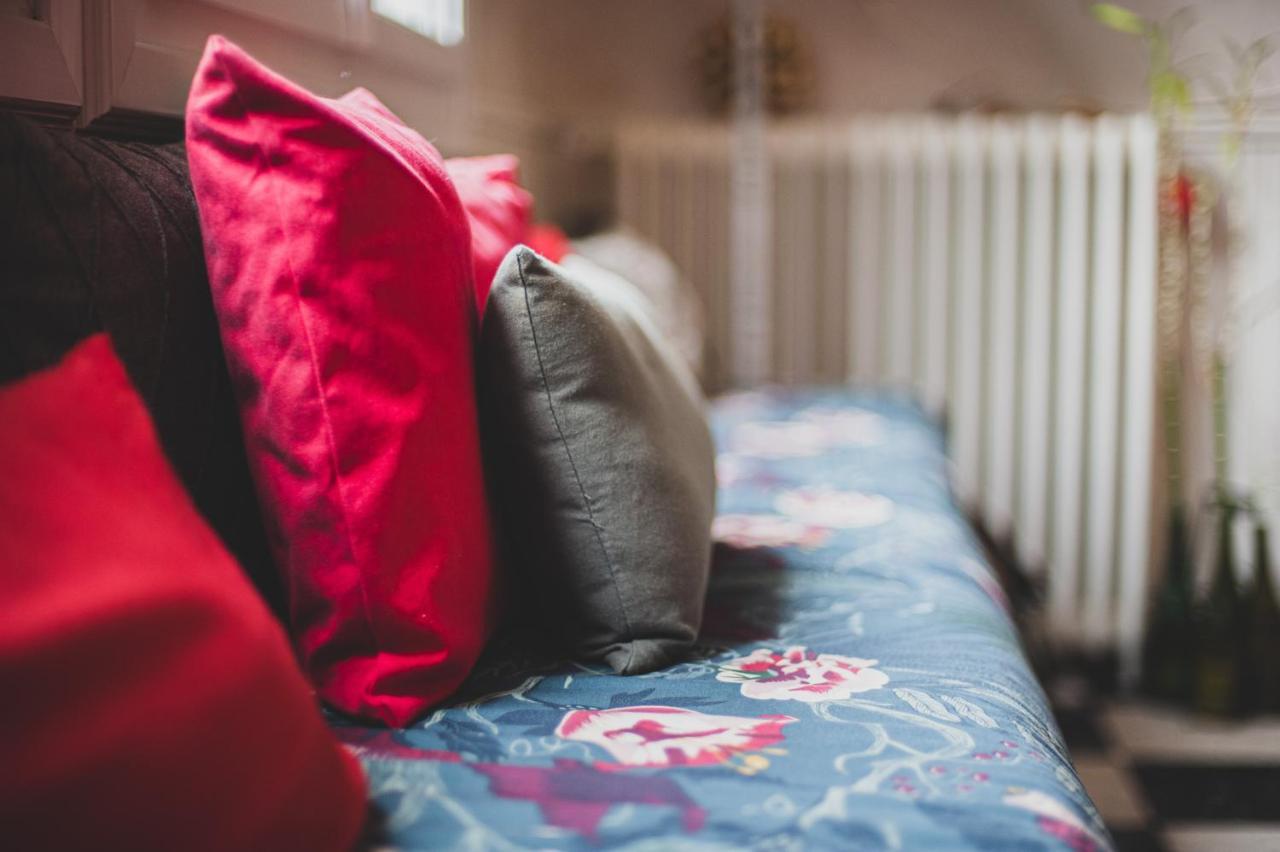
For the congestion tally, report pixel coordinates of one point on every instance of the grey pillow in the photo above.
(601, 463)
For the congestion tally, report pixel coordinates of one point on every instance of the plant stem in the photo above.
(1173, 429)
(1220, 424)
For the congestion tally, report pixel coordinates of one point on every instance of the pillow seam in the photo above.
(330, 440)
(586, 501)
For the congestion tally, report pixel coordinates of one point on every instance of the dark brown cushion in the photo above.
(98, 235)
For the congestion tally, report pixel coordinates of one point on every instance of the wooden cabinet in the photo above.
(124, 66)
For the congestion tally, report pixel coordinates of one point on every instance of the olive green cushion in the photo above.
(602, 465)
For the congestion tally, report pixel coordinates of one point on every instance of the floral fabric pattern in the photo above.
(670, 736)
(834, 508)
(858, 684)
(801, 675)
(767, 531)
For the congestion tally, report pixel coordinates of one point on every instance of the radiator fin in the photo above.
(1001, 269)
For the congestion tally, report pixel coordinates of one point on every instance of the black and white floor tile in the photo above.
(1168, 781)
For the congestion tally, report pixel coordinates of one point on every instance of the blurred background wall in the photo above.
(561, 81)
(561, 74)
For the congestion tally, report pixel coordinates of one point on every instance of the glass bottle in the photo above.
(1169, 647)
(1261, 674)
(1219, 629)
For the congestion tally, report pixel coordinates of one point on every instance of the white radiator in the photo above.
(1002, 269)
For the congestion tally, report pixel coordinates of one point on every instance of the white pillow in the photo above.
(677, 311)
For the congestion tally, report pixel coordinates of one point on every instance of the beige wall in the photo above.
(618, 57)
(565, 72)
(624, 56)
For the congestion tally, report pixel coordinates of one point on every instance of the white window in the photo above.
(442, 21)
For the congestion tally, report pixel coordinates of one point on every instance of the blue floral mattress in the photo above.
(860, 685)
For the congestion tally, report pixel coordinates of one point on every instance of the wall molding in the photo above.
(41, 72)
(124, 67)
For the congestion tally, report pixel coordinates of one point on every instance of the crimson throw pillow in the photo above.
(339, 259)
(151, 700)
(499, 210)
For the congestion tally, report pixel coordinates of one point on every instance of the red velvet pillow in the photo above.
(339, 260)
(151, 701)
(499, 210)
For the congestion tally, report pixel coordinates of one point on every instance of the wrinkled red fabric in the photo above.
(339, 260)
(151, 701)
(498, 208)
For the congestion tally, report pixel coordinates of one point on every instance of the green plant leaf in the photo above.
(1182, 93)
(1259, 52)
(1171, 89)
(1159, 51)
(1118, 18)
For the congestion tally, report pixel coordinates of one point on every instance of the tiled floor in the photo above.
(1167, 781)
(1164, 780)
